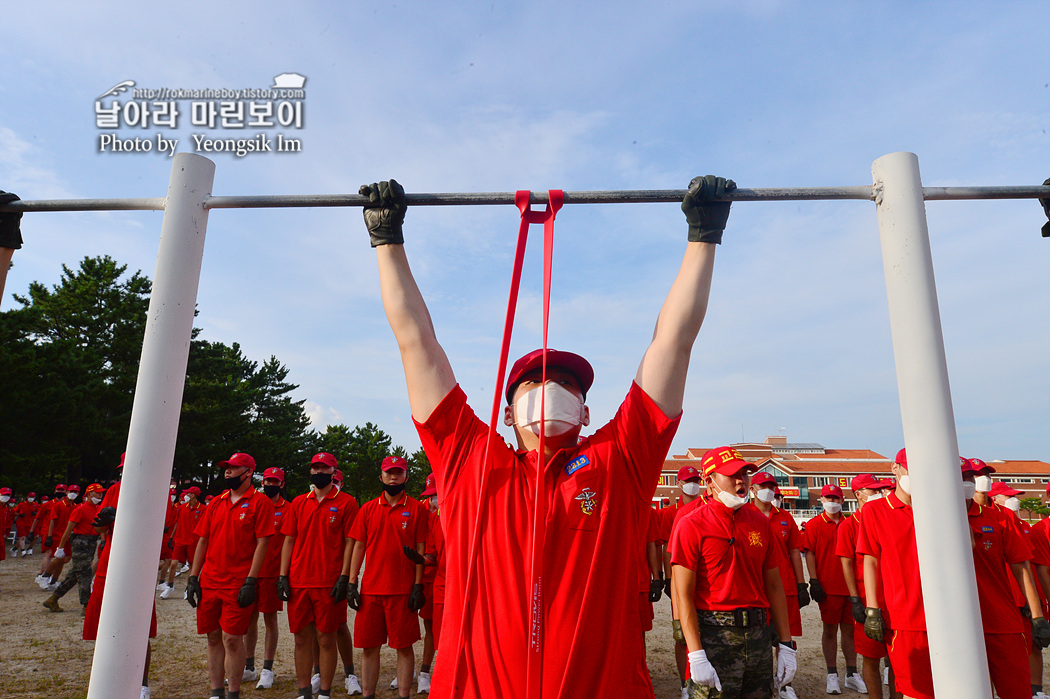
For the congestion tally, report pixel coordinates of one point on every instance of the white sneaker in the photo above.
(352, 685)
(1039, 695)
(788, 692)
(39, 579)
(856, 683)
(145, 693)
(167, 592)
(315, 683)
(265, 679)
(423, 683)
(833, 684)
(248, 675)
(886, 675)
(685, 693)
(44, 582)
(393, 683)
(30, 553)
(53, 586)
(161, 586)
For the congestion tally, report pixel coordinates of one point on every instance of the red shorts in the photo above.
(268, 602)
(427, 612)
(314, 605)
(94, 609)
(182, 553)
(218, 609)
(866, 646)
(22, 530)
(166, 551)
(1029, 636)
(794, 616)
(836, 609)
(645, 611)
(1008, 664)
(435, 623)
(909, 653)
(385, 619)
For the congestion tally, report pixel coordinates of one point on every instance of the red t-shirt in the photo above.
(685, 510)
(232, 530)
(787, 538)
(1041, 547)
(665, 519)
(996, 544)
(82, 517)
(271, 566)
(321, 528)
(598, 493)
(43, 517)
(846, 547)
(821, 535)
(730, 550)
(887, 532)
(60, 513)
(188, 515)
(436, 548)
(384, 529)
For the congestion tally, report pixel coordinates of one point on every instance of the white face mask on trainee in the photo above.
(968, 490)
(691, 489)
(765, 494)
(563, 410)
(833, 508)
(1013, 504)
(983, 483)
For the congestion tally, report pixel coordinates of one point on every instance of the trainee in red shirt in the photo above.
(82, 517)
(188, 517)
(271, 566)
(384, 529)
(887, 532)
(232, 530)
(598, 493)
(821, 535)
(787, 538)
(730, 550)
(321, 529)
(996, 544)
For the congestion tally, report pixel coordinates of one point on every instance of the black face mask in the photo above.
(271, 490)
(234, 482)
(320, 480)
(393, 489)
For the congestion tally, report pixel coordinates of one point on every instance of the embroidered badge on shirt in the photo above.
(587, 499)
(987, 530)
(987, 545)
(576, 464)
(754, 538)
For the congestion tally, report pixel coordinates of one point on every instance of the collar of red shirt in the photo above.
(895, 501)
(401, 501)
(975, 509)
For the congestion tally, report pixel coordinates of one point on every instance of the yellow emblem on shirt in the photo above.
(754, 538)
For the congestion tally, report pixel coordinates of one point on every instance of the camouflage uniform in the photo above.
(81, 575)
(742, 657)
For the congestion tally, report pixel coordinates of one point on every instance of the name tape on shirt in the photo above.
(987, 530)
(576, 464)
(406, 513)
(333, 509)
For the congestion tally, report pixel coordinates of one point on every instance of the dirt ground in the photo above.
(41, 653)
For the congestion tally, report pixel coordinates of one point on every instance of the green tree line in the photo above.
(69, 357)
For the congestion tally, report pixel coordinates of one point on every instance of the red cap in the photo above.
(902, 458)
(272, 472)
(121, 464)
(886, 483)
(208, 498)
(1000, 488)
(337, 476)
(94, 488)
(393, 463)
(967, 466)
(192, 490)
(324, 458)
(59, 488)
(864, 480)
(687, 472)
(431, 487)
(29, 495)
(5, 491)
(829, 491)
(73, 488)
(763, 478)
(665, 502)
(981, 467)
(776, 491)
(724, 460)
(567, 361)
(238, 459)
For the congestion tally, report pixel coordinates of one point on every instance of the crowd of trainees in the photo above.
(248, 552)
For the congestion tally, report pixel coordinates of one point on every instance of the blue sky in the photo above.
(479, 97)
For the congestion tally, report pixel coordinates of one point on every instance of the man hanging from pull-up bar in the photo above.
(600, 487)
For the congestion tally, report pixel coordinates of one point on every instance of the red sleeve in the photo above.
(263, 516)
(359, 529)
(290, 523)
(1040, 544)
(846, 541)
(685, 544)
(422, 522)
(203, 528)
(773, 555)
(350, 516)
(867, 536)
(1015, 548)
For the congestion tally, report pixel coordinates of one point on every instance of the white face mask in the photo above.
(5, 498)
(563, 410)
(778, 502)
(94, 500)
(691, 489)
(432, 502)
(905, 483)
(875, 496)
(833, 508)
(173, 497)
(983, 484)
(765, 494)
(731, 500)
(1013, 504)
(185, 498)
(31, 499)
(71, 496)
(968, 490)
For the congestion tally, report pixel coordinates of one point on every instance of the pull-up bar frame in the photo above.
(950, 593)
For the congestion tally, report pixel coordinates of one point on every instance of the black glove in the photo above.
(104, 517)
(413, 555)
(874, 626)
(385, 212)
(353, 597)
(171, 543)
(193, 591)
(656, 588)
(49, 542)
(284, 588)
(416, 598)
(803, 594)
(1046, 210)
(249, 593)
(667, 587)
(706, 216)
(10, 223)
(816, 591)
(338, 592)
(1041, 632)
(858, 609)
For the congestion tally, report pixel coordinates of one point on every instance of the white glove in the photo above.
(59, 553)
(702, 671)
(787, 663)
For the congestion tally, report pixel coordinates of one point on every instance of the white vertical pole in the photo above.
(953, 617)
(120, 652)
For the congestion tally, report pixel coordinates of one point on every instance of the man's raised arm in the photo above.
(665, 364)
(428, 373)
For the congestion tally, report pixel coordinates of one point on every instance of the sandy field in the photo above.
(42, 655)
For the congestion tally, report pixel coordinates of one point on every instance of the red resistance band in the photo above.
(534, 670)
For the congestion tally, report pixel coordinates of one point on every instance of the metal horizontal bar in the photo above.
(636, 196)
